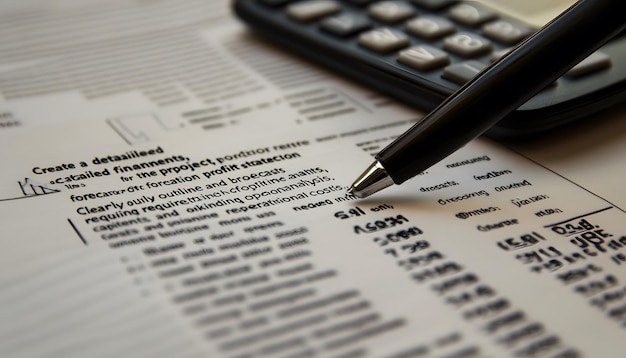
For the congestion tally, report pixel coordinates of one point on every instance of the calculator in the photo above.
(421, 51)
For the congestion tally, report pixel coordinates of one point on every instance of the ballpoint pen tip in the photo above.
(374, 179)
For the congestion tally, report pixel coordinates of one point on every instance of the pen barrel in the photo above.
(504, 86)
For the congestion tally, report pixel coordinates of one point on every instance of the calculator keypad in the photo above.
(457, 38)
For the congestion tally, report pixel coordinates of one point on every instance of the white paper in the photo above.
(241, 242)
(257, 251)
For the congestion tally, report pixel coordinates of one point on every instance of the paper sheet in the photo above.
(252, 249)
(203, 214)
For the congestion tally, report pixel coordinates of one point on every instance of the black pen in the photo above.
(497, 91)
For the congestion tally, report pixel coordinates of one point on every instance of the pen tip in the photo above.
(374, 179)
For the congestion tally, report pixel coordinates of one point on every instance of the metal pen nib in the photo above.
(372, 180)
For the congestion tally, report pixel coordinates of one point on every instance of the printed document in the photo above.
(172, 186)
(205, 245)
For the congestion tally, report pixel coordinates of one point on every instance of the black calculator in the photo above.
(421, 51)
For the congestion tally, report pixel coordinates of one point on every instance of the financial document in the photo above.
(173, 186)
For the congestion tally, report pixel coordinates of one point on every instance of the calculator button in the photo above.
(471, 14)
(434, 4)
(383, 40)
(424, 57)
(505, 32)
(595, 62)
(466, 44)
(312, 10)
(496, 55)
(430, 27)
(463, 72)
(391, 11)
(345, 24)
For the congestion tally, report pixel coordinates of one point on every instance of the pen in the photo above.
(495, 92)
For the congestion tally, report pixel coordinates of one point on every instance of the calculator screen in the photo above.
(534, 12)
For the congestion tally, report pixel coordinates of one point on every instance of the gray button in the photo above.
(463, 72)
(345, 24)
(595, 62)
(471, 14)
(391, 11)
(505, 32)
(466, 44)
(383, 40)
(496, 55)
(312, 10)
(424, 57)
(430, 27)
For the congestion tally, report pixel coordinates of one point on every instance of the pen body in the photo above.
(504, 86)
